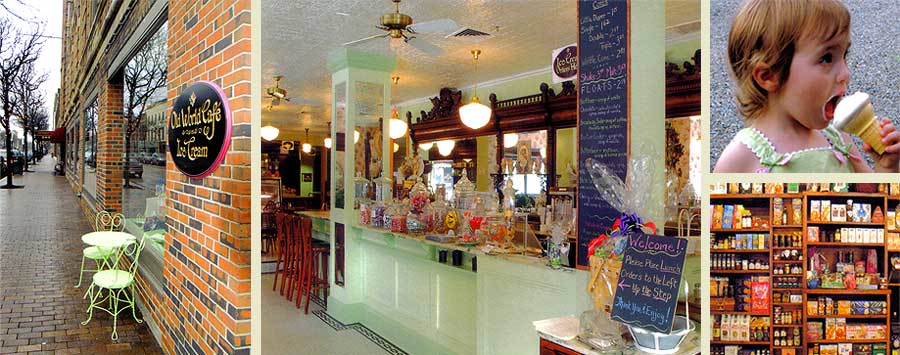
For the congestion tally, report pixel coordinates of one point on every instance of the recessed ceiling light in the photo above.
(342, 13)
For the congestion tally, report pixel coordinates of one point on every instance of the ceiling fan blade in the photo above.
(442, 25)
(365, 39)
(425, 46)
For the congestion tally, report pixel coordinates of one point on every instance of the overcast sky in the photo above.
(48, 15)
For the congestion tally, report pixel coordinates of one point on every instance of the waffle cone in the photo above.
(604, 277)
(868, 129)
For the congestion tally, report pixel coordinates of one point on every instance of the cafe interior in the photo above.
(413, 174)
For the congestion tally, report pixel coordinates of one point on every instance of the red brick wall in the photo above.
(206, 308)
(111, 146)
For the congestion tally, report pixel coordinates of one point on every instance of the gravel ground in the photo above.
(874, 64)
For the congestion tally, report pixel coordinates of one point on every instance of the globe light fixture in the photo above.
(328, 142)
(426, 146)
(446, 147)
(396, 126)
(396, 147)
(510, 140)
(268, 132)
(475, 115)
(355, 136)
(307, 148)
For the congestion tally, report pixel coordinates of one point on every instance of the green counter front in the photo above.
(396, 286)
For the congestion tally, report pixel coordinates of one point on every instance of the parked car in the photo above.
(144, 157)
(158, 159)
(134, 168)
(18, 161)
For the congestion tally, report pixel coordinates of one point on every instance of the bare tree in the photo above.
(145, 77)
(18, 50)
(29, 103)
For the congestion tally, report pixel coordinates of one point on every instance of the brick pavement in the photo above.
(40, 255)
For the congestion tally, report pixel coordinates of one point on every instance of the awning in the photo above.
(58, 135)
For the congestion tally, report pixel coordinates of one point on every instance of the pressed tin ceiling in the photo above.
(298, 35)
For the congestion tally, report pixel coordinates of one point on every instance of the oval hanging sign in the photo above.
(565, 63)
(199, 129)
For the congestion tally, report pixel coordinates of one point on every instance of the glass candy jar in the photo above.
(398, 220)
(418, 197)
(361, 190)
(388, 218)
(415, 223)
(365, 213)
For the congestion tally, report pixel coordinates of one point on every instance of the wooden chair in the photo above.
(269, 227)
(282, 228)
(314, 269)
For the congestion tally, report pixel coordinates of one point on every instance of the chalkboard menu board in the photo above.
(647, 292)
(603, 122)
(199, 129)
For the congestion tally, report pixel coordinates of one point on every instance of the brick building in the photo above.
(194, 289)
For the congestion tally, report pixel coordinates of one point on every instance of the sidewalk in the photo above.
(40, 254)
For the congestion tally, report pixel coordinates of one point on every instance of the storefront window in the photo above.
(144, 108)
(90, 150)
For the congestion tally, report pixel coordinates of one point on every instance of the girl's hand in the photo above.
(889, 162)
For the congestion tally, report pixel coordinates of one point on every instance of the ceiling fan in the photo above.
(399, 25)
(277, 94)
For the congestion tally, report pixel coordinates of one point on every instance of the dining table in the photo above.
(108, 239)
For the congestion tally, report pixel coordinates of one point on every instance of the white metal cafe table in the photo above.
(108, 239)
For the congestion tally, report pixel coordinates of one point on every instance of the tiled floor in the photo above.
(287, 330)
(40, 255)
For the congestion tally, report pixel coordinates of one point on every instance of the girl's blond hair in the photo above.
(766, 32)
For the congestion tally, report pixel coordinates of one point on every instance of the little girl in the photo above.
(788, 59)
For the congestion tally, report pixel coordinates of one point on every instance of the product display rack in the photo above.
(858, 249)
(756, 203)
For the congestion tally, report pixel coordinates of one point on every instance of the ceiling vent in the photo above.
(469, 34)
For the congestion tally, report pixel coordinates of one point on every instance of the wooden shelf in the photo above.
(786, 275)
(871, 224)
(878, 317)
(740, 196)
(845, 194)
(834, 244)
(855, 341)
(787, 289)
(787, 325)
(787, 304)
(788, 248)
(739, 271)
(739, 342)
(740, 313)
(742, 230)
(787, 261)
(787, 226)
(840, 291)
(765, 251)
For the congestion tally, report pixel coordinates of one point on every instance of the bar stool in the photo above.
(315, 266)
(282, 226)
(295, 257)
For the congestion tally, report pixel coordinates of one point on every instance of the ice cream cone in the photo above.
(855, 115)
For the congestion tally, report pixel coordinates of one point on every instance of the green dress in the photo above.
(834, 158)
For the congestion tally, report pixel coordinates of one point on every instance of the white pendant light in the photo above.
(269, 132)
(396, 147)
(396, 126)
(475, 115)
(307, 148)
(355, 136)
(426, 146)
(446, 147)
(328, 142)
(510, 140)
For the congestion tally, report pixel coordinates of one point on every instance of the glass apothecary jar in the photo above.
(415, 223)
(398, 220)
(361, 190)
